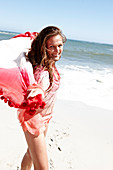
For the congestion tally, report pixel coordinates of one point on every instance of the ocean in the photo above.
(86, 70)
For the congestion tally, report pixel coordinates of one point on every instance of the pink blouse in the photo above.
(37, 123)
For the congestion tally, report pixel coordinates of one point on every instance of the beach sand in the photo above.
(80, 137)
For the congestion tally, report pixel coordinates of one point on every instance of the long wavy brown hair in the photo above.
(38, 53)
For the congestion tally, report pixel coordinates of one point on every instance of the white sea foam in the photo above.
(7, 33)
(93, 87)
(111, 49)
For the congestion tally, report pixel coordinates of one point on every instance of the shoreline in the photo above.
(79, 137)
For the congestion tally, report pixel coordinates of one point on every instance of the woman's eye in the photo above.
(51, 46)
(60, 45)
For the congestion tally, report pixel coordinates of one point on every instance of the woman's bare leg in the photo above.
(26, 163)
(27, 160)
(37, 146)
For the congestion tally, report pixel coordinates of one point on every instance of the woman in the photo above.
(31, 87)
(45, 50)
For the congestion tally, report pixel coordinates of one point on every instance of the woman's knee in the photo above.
(28, 154)
(40, 164)
(40, 167)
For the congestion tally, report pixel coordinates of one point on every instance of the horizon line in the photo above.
(72, 39)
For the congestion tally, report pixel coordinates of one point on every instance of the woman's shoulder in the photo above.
(40, 69)
(40, 72)
(41, 76)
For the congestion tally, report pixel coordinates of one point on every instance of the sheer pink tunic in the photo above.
(37, 123)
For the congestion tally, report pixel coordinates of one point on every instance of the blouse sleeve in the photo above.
(17, 76)
(31, 102)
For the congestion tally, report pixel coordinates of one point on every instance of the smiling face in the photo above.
(54, 47)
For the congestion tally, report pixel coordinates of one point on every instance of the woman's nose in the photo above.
(56, 50)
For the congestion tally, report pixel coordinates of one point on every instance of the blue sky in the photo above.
(88, 20)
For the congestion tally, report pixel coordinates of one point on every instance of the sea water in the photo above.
(86, 70)
(87, 73)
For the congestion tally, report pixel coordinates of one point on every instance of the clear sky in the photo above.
(88, 20)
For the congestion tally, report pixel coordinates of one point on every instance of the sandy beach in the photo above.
(80, 137)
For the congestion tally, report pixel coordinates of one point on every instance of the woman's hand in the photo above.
(33, 100)
(34, 92)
